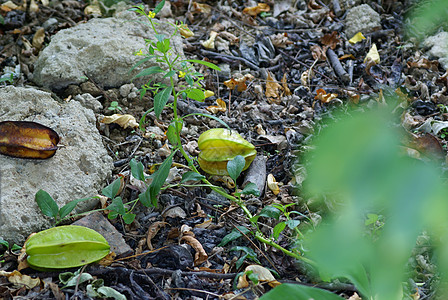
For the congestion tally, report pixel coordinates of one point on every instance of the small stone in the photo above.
(100, 224)
(363, 19)
(72, 90)
(88, 101)
(126, 89)
(224, 74)
(132, 95)
(49, 23)
(91, 88)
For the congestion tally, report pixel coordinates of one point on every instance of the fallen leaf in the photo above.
(152, 231)
(204, 224)
(280, 40)
(255, 10)
(185, 31)
(373, 55)
(230, 37)
(272, 89)
(264, 275)
(38, 38)
(93, 9)
(201, 8)
(357, 38)
(318, 53)
(8, 6)
(27, 140)
(210, 43)
(175, 212)
(424, 63)
(108, 259)
(324, 97)
(260, 130)
(124, 121)
(286, 90)
(331, 40)
(220, 107)
(312, 5)
(345, 56)
(18, 279)
(239, 83)
(200, 256)
(355, 296)
(272, 184)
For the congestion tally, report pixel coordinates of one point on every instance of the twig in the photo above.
(231, 57)
(337, 67)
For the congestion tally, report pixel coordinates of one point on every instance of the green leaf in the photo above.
(137, 169)
(161, 99)
(278, 229)
(67, 209)
(292, 223)
(160, 37)
(159, 178)
(4, 243)
(191, 176)
(69, 279)
(189, 80)
(297, 291)
(252, 276)
(46, 204)
(159, 7)
(196, 94)
(233, 235)
(236, 166)
(170, 74)
(205, 63)
(371, 219)
(163, 46)
(139, 63)
(112, 189)
(117, 206)
(145, 198)
(251, 189)
(172, 136)
(211, 117)
(149, 71)
(270, 212)
(143, 118)
(108, 292)
(128, 218)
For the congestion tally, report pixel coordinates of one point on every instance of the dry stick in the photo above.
(245, 61)
(337, 67)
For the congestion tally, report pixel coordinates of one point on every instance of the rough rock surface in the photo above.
(439, 47)
(363, 19)
(76, 171)
(102, 49)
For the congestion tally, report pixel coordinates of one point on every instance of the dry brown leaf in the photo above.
(38, 38)
(200, 255)
(312, 5)
(272, 184)
(255, 10)
(210, 43)
(201, 8)
(318, 53)
(286, 90)
(8, 6)
(424, 63)
(230, 37)
(324, 97)
(204, 224)
(185, 31)
(108, 259)
(18, 279)
(259, 129)
(280, 40)
(239, 83)
(264, 275)
(345, 56)
(124, 121)
(175, 212)
(272, 89)
(331, 40)
(152, 231)
(221, 107)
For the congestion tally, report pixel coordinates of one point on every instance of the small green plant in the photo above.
(114, 106)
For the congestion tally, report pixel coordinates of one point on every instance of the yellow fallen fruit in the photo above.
(218, 146)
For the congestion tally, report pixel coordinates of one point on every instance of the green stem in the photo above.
(286, 251)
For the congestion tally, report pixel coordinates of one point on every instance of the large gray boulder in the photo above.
(101, 49)
(77, 170)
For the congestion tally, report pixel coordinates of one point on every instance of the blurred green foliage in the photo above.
(426, 17)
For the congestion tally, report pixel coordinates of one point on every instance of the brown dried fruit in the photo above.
(24, 139)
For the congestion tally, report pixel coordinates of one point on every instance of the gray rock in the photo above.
(90, 102)
(363, 19)
(100, 224)
(77, 170)
(126, 89)
(101, 48)
(439, 47)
